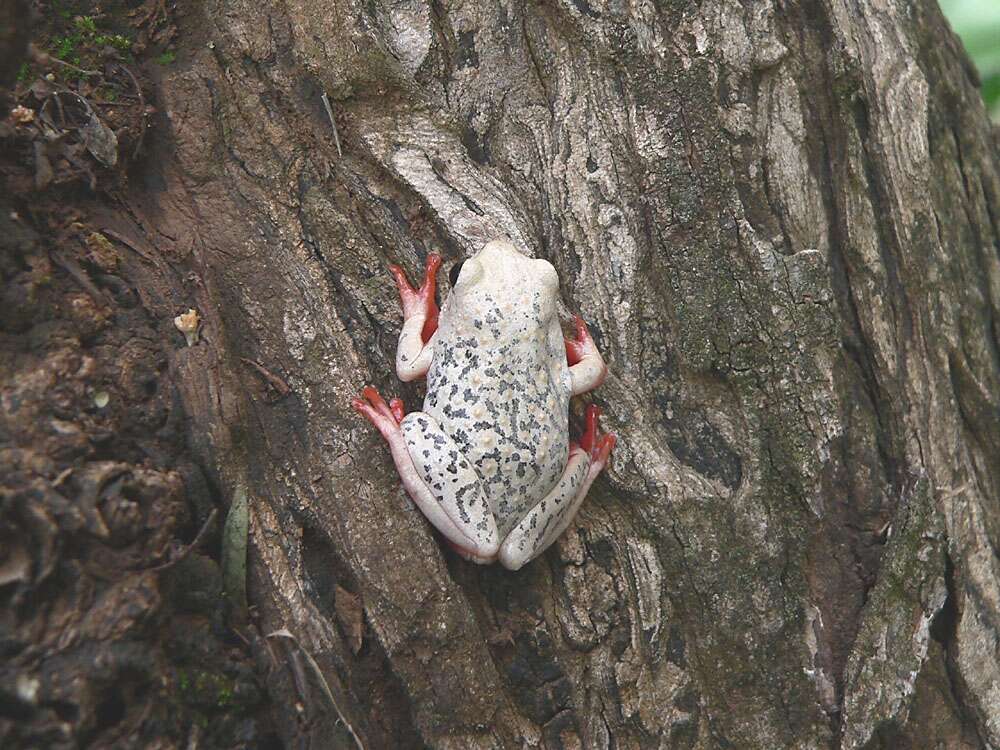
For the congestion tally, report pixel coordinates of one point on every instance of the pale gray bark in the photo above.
(780, 221)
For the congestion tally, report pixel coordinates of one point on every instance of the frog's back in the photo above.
(499, 385)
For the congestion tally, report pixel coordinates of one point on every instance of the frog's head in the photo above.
(504, 272)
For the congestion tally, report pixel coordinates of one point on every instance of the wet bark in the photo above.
(780, 221)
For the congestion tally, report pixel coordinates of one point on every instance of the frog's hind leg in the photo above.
(549, 518)
(454, 486)
(441, 482)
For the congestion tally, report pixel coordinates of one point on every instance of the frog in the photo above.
(488, 459)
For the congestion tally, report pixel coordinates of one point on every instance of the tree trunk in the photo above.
(780, 221)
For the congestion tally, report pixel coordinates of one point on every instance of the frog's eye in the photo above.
(454, 273)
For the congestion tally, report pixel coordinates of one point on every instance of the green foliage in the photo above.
(117, 41)
(205, 688)
(64, 48)
(167, 57)
(978, 23)
(86, 24)
(83, 38)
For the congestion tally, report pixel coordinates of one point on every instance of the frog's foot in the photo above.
(586, 365)
(599, 445)
(420, 303)
(386, 418)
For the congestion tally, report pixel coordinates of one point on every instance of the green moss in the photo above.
(65, 48)
(224, 699)
(167, 57)
(209, 690)
(83, 40)
(119, 42)
(86, 24)
(200, 687)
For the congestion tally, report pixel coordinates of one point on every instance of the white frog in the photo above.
(488, 460)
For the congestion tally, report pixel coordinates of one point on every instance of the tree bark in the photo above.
(780, 221)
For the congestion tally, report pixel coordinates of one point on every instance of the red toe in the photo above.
(577, 346)
(599, 445)
(372, 395)
(590, 436)
(397, 409)
(378, 403)
(430, 271)
(427, 291)
(420, 301)
(400, 277)
(605, 447)
(385, 417)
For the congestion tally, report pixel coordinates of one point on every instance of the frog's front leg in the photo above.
(586, 365)
(443, 484)
(420, 320)
(549, 518)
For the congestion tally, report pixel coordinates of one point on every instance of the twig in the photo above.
(63, 476)
(329, 113)
(82, 71)
(128, 243)
(238, 634)
(142, 108)
(277, 383)
(284, 633)
(44, 58)
(73, 268)
(299, 676)
(187, 550)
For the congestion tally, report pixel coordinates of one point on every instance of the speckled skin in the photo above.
(488, 458)
(499, 382)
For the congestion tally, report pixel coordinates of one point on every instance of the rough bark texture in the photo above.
(780, 221)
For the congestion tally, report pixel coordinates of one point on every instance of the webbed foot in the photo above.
(599, 445)
(385, 417)
(586, 365)
(420, 302)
